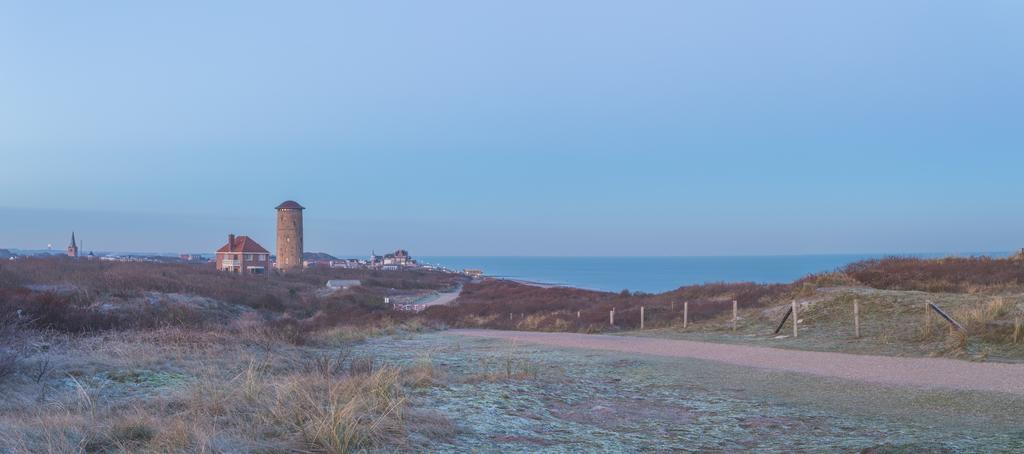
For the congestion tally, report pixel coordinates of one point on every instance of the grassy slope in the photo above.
(892, 322)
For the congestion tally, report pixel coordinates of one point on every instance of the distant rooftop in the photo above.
(290, 205)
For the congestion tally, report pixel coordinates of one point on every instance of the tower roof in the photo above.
(73, 239)
(290, 205)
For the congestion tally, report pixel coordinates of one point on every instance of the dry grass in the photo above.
(809, 285)
(550, 321)
(993, 321)
(185, 390)
(343, 335)
(255, 410)
(956, 343)
(332, 415)
(977, 316)
(423, 374)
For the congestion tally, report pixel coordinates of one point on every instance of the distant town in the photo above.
(244, 255)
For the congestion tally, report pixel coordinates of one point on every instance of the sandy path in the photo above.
(442, 298)
(921, 372)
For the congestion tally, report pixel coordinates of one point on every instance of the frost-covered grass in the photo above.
(594, 401)
(185, 390)
(188, 390)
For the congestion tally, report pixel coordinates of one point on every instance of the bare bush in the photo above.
(363, 365)
(8, 364)
(11, 338)
(326, 365)
(41, 369)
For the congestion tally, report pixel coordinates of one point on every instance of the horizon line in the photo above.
(814, 254)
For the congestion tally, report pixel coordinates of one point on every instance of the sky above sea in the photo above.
(569, 128)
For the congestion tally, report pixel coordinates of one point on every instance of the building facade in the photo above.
(243, 255)
(390, 262)
(289, 236)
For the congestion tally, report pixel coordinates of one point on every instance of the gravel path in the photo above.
(920, 372)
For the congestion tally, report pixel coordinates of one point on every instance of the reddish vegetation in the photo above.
(67, 313)
(954, 275)
(73, 292)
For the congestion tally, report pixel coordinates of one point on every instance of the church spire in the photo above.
(72, 248)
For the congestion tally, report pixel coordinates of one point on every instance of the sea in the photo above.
(661, 274)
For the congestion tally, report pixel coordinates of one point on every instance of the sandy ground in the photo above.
(439, 298)
(920, 372)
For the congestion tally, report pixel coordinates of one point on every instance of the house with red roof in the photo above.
(243, 255)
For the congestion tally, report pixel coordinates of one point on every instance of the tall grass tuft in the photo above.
(341, 416)
(992, 320)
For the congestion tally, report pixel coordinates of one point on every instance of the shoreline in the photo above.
(532, 283)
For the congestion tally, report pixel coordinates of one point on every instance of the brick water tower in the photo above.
(289, 236)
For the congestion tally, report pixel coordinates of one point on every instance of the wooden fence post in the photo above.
(927, 318)
(784, 318)
(734, 315)
(795, 320)
(641, 317)
(673, 306)
(952, 323)
(686, 313)
(856, 320)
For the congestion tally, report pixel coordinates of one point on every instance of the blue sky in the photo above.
(516, 128)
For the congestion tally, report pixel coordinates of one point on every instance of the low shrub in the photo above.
(951, 274)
